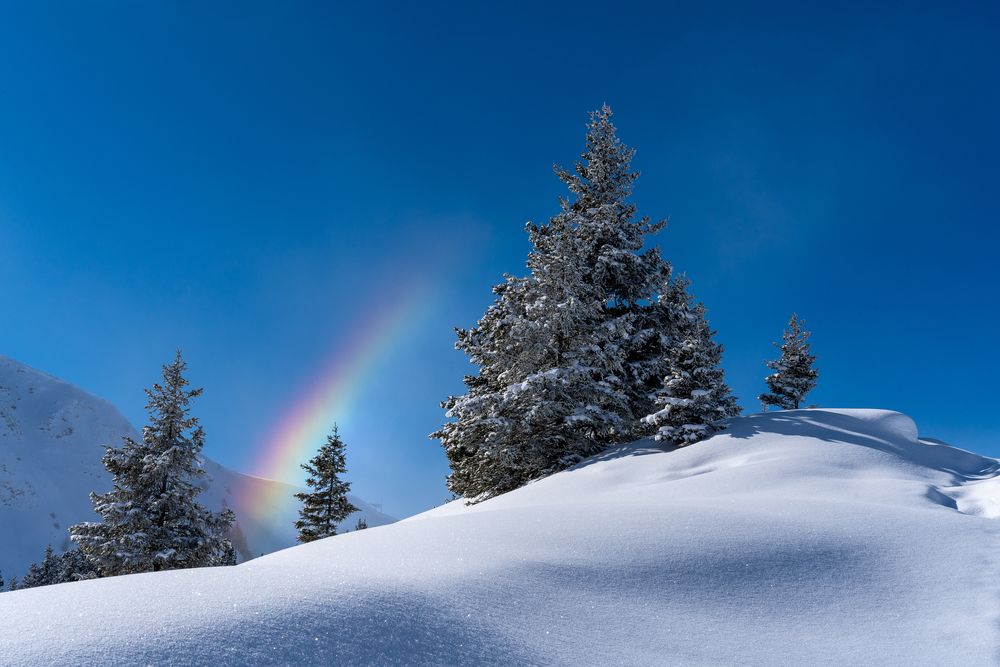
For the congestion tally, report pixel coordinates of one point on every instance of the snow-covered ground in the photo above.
(51, 442)
(809, 537)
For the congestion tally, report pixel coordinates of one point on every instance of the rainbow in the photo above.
(329, 397)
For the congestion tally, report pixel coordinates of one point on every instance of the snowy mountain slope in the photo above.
(51, 437)
(807, 537)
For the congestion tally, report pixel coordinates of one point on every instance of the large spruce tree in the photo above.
(327, 504)
(151, 519)
(570, 357)
(612, 241)
(794, 375)
(694, 399)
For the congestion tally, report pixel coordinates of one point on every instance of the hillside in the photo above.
(805, 537)
(51, 442)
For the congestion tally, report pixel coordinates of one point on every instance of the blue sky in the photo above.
(245, 180)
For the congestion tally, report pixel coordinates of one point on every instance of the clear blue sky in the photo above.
(244, 180)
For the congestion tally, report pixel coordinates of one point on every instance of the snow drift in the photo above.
(801, 537)
(51, 442)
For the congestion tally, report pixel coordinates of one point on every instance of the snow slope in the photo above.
(51, 442)
(807, 537)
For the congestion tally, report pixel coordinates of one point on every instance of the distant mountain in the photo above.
(806, 537)
(51, 442)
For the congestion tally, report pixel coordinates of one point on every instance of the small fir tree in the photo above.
(361, 524)
(794, 375)
(151, 518)
(228, 556)
(43, 573)
(694, 399)
(327, 504)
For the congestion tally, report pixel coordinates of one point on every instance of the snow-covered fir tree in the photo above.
(571, 356)
(361, 524)
(151, 519)
(694, 399)
(611, 241)
(228, 555)
(327, 504)
(44, 572)
(794, 375)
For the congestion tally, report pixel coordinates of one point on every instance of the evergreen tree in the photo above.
(611, 241)
(228, 555)
(794, 375)
(361, 524)
(13, 584)
(151, 519)
(327, 504)
(571, 356)
(1, 581)
(694, 399)
(44, 572)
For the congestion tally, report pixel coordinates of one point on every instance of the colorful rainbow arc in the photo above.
(335, 389)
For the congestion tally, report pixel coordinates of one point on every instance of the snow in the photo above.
(51, 442)
(822, 537)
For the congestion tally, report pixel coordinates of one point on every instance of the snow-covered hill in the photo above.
(809, 537)
(51, 442)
